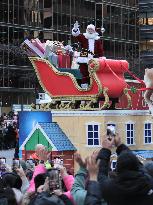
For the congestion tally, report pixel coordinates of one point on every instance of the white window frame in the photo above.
(87, 131)
(148, 122)
(131, 123)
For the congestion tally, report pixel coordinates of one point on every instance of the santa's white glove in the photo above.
(102, 29)
(76, 25)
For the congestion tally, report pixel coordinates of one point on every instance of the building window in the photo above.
(130, 134)
(93, 135)
(148, 133)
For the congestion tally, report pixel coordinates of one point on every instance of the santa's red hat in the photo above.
(91, 26)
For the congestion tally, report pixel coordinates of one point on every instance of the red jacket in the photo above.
(98, 48)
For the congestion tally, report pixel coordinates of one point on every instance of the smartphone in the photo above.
(15, 164)
(2, 160)
(30, 161)
(61, 162)
(111, 131)
(54, 180)
(2, 165)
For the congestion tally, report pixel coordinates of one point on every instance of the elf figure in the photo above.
(91, 48)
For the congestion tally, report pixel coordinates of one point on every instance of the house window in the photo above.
(129, 133)
(148, 133)
(93, 134)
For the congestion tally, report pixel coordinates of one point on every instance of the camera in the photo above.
(15, 164)
(58, 162)
(54, 180)
(2, 165)
(111, 131)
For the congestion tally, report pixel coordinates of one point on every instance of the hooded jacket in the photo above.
(85, 194)
(46, 199)
(131, 186)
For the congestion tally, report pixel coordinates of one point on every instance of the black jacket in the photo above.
(45, 198)
(94, 195)
(130, 187)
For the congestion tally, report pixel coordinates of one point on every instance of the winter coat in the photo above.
(81, 38)
(47, 199)
(68, 181)
(129, 187)
(78, 189)
(40, 168)
(94, 194)
(83, 195)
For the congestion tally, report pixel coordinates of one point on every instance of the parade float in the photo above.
(82, 79)
(60, 77)
(107, 82)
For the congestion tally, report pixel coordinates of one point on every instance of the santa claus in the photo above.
(91, 48)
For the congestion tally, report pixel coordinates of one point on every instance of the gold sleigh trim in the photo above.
(90, 99)
(69, 97)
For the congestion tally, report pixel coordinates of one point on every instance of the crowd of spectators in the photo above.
(8, 130)
(40, 181)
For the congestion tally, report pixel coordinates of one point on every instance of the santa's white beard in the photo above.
(91, 35)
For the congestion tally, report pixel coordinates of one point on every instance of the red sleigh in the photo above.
(106, 82)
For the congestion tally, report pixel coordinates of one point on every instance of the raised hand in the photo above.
(63, 171)
(79, 160)
(20, 172)
(108, 143)
(117, 140)
(92, 166)
(43, 155)
(58, 192)
(76, 25)
(44, 187)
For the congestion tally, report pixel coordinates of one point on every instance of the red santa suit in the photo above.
(91, 43)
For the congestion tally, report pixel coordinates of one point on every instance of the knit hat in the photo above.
(127, 161)
(91, 26)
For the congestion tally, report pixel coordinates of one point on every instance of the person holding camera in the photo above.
(131, 183)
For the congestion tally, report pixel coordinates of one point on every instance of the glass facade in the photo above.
(121, 37)
(19, 19)
(53, 20)
(146, 33)
(60, 15)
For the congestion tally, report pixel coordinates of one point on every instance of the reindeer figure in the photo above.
(148, 79)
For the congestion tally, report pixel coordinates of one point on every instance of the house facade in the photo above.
(86, 129)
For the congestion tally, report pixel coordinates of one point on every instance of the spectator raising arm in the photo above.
(104, 157)
(94, 195)
(78, 189)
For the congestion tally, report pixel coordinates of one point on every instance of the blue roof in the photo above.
(147, 154)
(57, 136)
